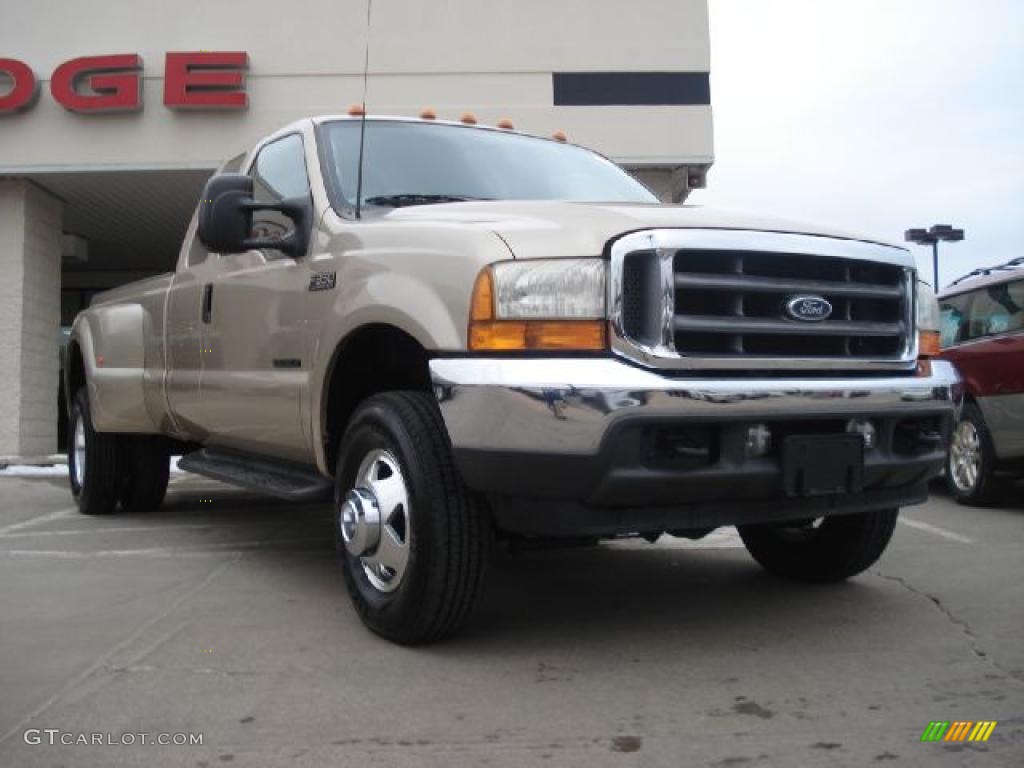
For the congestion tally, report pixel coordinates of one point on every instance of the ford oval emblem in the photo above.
(809, 309)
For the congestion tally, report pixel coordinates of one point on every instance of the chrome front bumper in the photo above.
(588, 431)
(568, 405)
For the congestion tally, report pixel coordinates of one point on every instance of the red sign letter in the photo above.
(26, 88)
(118, 89)
(206, 80)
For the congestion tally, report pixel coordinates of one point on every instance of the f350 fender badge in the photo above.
(809, 309)
(323, 281)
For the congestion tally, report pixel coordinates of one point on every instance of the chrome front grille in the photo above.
(717, 299)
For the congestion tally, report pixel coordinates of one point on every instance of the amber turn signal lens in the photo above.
(512, 335)
(482, 304)
(928, 344)
(488, 334)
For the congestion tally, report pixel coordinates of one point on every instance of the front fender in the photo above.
(395, 300)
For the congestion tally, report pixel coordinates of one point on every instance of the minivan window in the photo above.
(953, 324)
(997, 309)
(989, 311)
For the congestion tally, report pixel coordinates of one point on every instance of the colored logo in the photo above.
(958, 730)
(810, 309)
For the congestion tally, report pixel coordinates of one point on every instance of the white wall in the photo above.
(493, 58)
(30, 245)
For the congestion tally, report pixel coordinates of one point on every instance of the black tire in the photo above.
(146, 465)
(983, 489)
(836, 549)
(449, 534)
(97, 494)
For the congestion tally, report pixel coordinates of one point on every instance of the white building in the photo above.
(106, 139)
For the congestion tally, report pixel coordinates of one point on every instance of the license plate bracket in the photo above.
(822, 465)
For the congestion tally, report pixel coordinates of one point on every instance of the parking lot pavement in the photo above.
(223, 615)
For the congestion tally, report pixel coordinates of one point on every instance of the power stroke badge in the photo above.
(323, 281)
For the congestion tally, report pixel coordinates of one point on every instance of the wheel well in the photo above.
(74, 372)
(375, 358)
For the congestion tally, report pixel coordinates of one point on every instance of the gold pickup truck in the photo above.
(463, 334)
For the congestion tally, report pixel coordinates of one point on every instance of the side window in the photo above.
(997, 309)
(279, 173)
(197, 252)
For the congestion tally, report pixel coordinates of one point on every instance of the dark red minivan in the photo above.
(983, 336)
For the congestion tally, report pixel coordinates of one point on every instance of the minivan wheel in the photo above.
(92, 461)
(412, 540)
(971, 457)
(826, 550)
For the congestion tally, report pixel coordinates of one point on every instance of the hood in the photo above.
(550, 228)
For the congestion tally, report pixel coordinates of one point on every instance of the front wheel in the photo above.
(971, 456)
(826, 550)
(412, 539)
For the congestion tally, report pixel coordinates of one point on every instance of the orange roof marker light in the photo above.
(428, 113)
(468, 118)
(356, 110)
(560, 136)
(505, 124)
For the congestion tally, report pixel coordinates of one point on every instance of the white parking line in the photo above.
(38, 520)
(723, 538)
(159, 552)
(935, 530)
(225, 548)
(124, 529)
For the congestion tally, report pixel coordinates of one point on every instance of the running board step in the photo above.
(293, 482)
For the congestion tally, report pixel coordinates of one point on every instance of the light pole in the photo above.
(932, 237)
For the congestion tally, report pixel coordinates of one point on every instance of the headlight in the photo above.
(927, 321)
(562, 289)
(540, 304)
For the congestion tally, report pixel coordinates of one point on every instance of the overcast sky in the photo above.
(875, 115)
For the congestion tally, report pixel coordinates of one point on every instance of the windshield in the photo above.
(408, 163)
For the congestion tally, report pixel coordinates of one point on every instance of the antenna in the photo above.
(362, 121)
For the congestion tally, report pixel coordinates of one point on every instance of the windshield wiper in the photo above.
(398, 201)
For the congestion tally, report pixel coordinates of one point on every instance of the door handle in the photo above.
(207, 303)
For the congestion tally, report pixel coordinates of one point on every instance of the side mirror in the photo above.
(225, 218)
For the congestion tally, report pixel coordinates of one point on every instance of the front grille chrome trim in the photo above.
(712, 324)
(772, 285)
(658, 350)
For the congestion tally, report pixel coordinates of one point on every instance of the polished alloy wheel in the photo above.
(965, 456)
(79, 448)
(374, 520)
